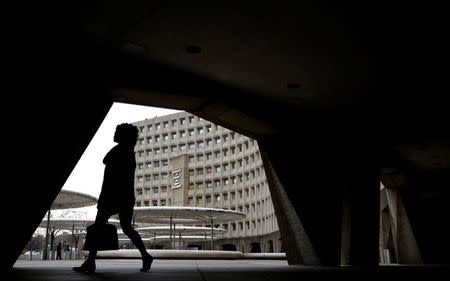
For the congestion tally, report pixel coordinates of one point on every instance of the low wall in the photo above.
(185, 254)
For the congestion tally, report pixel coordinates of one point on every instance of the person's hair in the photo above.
(126, 134)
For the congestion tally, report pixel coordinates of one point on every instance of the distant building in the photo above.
(215, 167)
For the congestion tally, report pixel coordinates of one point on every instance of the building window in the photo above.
(200, 185)
(147, 178)
(149, 152)
(199, 200)
(139, 191)
(156, 163)
(225, 138)
(147, 191)
(209, 156)
(140, 166)
(149, 164)
(182, 147)
(165, 149)
(165, 162)
(191, 119)
(217, 198)
(155, 202)
(155, 177)
(200, 157)
(201, 144)
(157, 150)
(166, 124)
(225, 152)
(209, 142)
(217, 169)
(208, 170)
(164, 176)
(150, 128)
(217, 140)
(191, 145)
(149, 140)
(209, 184)
(217, 154)
(208, 199)
(190, 200)
(183, 121)
(163, 202)
(173, 148)
(191, 186)
(146, 203)
(209, 128)
(141, 153)
(163, 189)
(138, 204)
(225, 196)
(200, 130)
(155, 189)
(200, 171)
(158, 126)
(191, 172)
(174, 122)
(140, 179)
(191, 132)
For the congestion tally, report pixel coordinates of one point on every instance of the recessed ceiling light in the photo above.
(293, 85)
(191, 49)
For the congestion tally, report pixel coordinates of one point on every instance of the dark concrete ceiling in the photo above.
(303, 53)
(338, 57)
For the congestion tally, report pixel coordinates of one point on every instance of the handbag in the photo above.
(103, 236)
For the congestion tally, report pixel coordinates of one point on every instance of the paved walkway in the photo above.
(217, 270)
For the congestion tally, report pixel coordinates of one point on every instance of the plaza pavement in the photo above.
(202, 270)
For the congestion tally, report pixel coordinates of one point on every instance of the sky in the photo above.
(87, 175)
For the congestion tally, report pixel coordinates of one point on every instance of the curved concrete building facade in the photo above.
(184, 160)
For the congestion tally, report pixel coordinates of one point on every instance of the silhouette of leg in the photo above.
(125, 222)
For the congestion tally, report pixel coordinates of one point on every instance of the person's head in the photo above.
(126, 134)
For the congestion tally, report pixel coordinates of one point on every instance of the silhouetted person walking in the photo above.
(58, 251)
(117, 195)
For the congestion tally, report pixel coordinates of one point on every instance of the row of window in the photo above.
(240, 178)
(173, 123)
(188, 132)
(250, 191)
(197, 144)
(200, 156)
(205, 170)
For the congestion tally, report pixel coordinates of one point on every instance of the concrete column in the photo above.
(361, 219)
(299, 249)
(406, 248)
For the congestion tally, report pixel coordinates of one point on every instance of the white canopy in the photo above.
(72, 223)
(177, 229)
(185, 215)
(167, 238)
(67, 199)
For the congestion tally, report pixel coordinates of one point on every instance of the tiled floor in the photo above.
(234, 270)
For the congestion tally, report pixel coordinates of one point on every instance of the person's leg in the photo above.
(125, 217)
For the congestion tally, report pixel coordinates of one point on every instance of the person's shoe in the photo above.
(146, 263)
(87, 266)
